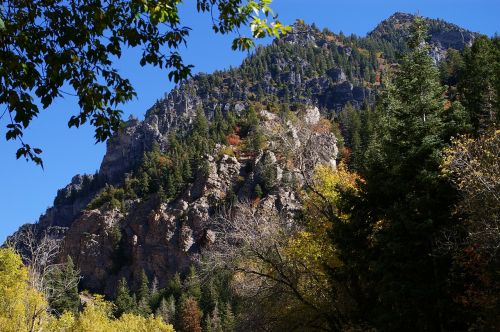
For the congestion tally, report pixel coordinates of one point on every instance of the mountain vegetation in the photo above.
(330, 182)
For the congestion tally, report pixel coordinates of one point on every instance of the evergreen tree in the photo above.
(406, 203)
(174, 287)
(208, 324)
(228, 320)
(125, 303)
(209, 296)
(258, 191)
(63, 285)
(192, 284)
(351, 125)
(143, 296)
(155, 294)
(253, 131)
(143, 293)
(166, 310)
(143, 308)
(215, 320)
(479, 83)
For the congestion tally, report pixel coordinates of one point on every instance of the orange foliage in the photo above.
(255, 201)
(164, 161)
(447, 104)
(233, 139)
(345, 154)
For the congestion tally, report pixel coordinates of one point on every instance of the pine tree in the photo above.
(406, 202)
(174, 287)
(143, 308)
(125, 303)
(228, 320)
(209, 296)
(155, 294)
(216, 320)
(143, 292)
(479, 84)
(208, 324)
(143, 296)
(192, 284)
(252, 129)
(351, 124)
(258, 191)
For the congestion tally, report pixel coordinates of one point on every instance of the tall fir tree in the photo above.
(228, 319)
(479, 83)
(174, 286)
(124, 302)
(143, 291)
(388, 245)
(192, 284)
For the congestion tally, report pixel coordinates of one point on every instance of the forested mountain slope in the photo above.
(307, 158)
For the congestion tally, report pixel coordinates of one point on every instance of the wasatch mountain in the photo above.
(310, 74)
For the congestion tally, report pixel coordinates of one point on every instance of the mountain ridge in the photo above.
(313, 73)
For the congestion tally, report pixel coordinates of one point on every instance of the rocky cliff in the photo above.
(163, 238)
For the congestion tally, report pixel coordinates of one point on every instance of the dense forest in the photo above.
(400, 233)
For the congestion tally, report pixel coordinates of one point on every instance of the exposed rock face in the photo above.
(158, 238)
(162, 239)
(66, 206)
(312, 116)
(91, 241)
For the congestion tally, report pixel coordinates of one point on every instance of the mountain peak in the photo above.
(401, 16)
(443, 35)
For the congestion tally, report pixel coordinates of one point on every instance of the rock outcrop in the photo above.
(161, 238)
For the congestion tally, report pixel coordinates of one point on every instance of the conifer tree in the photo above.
(228, 319)
(143, 292)
(189, 316)
(192, 284)
(143, 308)
(209, 296)
(143, 296)
(155, 294)
(125, 303)
(479, 83)
(63, 285)
(351, 123)
(207, 326)
(174, 287)
(213, 321)
(166, 310)
(406, 202)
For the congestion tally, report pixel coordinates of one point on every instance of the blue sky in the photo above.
(26, 190)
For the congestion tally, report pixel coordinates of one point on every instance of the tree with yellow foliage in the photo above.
(473, 167)
(281, 266)
(98, 317)
(22, 308)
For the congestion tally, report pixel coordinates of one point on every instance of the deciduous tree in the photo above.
(49, 49)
